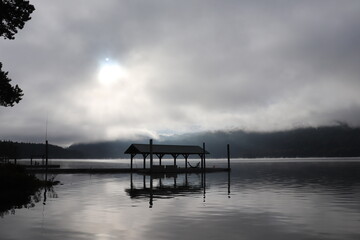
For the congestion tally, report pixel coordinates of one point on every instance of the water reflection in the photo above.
(10, 201)
(164, 186)
(265, 201)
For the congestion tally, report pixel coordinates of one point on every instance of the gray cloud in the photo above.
(191, 66)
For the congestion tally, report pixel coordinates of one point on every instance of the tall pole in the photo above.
(151, 154)
(47, 157)
(204, 152)
(228, 155)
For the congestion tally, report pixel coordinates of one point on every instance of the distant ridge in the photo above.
(331, 141)
(26, 150)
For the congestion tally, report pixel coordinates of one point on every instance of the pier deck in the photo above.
(123, 170)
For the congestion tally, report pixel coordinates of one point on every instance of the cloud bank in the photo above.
(190, 66)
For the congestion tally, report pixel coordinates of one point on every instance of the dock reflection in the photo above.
(169, 185)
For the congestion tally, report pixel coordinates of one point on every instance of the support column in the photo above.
(186, 159)
(151, 154)
(160, 156)
(131, 161)
(175, 157)
(144, 156)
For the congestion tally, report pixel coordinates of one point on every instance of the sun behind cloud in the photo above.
(110, 73)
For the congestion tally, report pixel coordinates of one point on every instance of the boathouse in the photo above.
(161, 150)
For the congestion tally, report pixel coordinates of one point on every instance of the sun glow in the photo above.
(111, 73)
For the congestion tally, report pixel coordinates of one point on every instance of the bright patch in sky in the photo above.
(111, 73)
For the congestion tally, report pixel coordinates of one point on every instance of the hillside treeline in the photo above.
(334, 141)
(9, 149)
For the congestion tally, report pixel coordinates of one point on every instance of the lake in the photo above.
(259, 199)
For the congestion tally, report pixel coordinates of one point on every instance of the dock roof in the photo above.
(164, 149)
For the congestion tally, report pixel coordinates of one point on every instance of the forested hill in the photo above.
(338, 141)
(27, 150)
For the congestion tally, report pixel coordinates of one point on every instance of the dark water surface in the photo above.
(261, 199)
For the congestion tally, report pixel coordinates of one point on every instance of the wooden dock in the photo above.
(123, 170)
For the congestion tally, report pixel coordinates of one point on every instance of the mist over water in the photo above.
(260, 199)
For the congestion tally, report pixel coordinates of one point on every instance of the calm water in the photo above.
(261, 199)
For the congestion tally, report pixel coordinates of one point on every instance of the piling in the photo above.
(204, 153)
(151, 154)
(228, 155)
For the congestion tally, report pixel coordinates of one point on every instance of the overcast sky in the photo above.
(104, 70)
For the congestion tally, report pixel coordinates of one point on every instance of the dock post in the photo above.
(228, 155)
(186, 159)
(131, 161)
(47, 158)
(47, 154)
(151, 154)
(175, 157)
(144, 165)
(204, 165)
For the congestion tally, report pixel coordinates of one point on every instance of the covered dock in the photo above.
(160, 151)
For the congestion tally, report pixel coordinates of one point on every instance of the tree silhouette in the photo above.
(13, 15)
(8, 94)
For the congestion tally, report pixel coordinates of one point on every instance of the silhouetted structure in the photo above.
(161, 150)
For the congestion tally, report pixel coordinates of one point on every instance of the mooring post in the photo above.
(47, 153)
(228, 155)
(204, 156)
(47, 158)
(151, 154)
